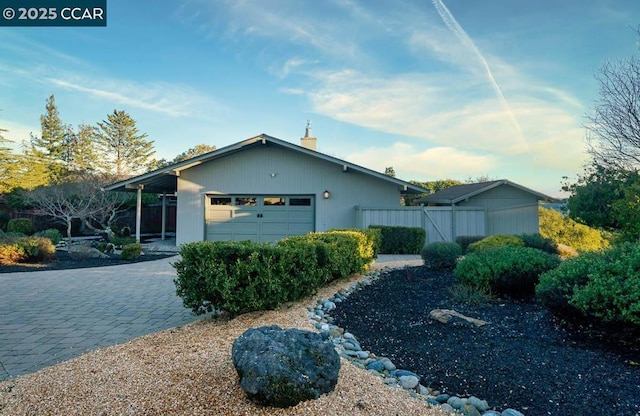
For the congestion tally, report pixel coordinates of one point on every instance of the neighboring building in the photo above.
(264, 189)
(485, 208)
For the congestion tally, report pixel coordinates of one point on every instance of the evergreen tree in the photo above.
(7, 164)
(125, 151)
(389, 171)
(50, 145)
(81, 151)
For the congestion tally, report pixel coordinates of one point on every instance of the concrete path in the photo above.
(52, 316)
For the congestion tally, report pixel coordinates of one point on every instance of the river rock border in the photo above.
(349, 348)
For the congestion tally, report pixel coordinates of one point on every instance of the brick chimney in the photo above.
(307, 141)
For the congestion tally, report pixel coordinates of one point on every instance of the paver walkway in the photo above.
(51, 316)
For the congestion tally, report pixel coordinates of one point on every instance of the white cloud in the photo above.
(410, 162)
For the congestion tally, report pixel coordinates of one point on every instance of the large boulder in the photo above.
(283, 367)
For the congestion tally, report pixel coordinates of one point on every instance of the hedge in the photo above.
(401, 240)
(239, 277)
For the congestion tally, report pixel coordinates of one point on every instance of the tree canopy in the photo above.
(123, 149)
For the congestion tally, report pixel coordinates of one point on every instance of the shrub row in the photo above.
(400, 240)
(239, 277)
(603, 285)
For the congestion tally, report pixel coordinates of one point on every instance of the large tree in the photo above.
(81, 152)
(125, 151)
(613, 126)
(50, 145)
(7, 164)
(197, 150)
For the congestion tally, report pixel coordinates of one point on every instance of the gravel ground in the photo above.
(188, 371)
(524, 359)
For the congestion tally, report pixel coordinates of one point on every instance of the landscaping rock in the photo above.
(282, 367)
(446, 316)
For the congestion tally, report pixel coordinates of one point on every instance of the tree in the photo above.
(197, 150)
(125, 151)
(7, 164)
(81, 153)
(613, 126)
(389, 171)
(64, 202)
(50, 144)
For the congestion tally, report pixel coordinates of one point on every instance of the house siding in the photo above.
(270, 169)
(509, 210)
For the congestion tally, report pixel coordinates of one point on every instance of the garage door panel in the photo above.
(258, 218)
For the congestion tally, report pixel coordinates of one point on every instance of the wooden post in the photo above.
(139, 212)
(164, 215)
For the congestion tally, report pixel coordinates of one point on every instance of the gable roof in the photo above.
(457, 193)
(166, 179)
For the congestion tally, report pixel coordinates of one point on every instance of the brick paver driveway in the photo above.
(51, 316)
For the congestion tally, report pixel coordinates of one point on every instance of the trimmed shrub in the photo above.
(603, 285)
(441, 255)
(131, 251)
(239, 277)
(122, 241)
(466, 240)
(494, 241)
(535, 240)
(20, 225)
(511, 271)
(52, 234)
(401, 240)
(11, 253)
(21, 249)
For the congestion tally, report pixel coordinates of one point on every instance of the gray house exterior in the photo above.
(497, 207)
(264, 189)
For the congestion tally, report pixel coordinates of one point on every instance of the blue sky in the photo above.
(437, 89)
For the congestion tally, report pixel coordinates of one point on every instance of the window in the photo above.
(274, 200)
(246, 201)
(300, 202)
(220, 200)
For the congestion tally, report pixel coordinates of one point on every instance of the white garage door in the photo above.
(258, 217)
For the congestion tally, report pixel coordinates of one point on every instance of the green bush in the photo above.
(466, 240)
(244, 276)
(535, 240)
(20, 225)
(603, 285)
(563, 230)
(511, 271)
(441, 255)
(238, 277)
(494, 241)
(52, 234)
(470, 294)
(122, 241)
(131, 251)
(401, 240)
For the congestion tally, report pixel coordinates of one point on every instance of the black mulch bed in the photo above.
(63, 261)
(524, 359)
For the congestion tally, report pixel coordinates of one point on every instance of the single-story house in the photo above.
(264, 189)
(482, 209)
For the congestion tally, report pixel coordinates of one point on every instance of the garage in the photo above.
(263, 218)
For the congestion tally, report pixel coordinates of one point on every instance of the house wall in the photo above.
(509, 210)
(266, 169)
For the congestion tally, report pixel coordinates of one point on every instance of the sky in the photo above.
(442, 89)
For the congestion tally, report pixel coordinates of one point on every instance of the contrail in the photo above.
(457, 30)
